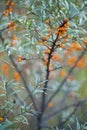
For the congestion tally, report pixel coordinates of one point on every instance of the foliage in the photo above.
(43, 48)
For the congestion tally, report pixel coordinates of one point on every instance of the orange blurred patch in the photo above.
(15, 38)
(62, 73)
(5, 69)
(12, 44)
(50, 104)
(56, 57)
(76, 47)
(81, 63)
(16, 76)
(71, 60)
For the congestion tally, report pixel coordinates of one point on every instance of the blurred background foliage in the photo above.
(30, 18)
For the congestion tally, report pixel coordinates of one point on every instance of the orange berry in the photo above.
(12, 44)
(10, 9)
(45, 62)
(37, 43)
(61, 29)
(11, 24)
(7, 3)
(67, 36)
(1, 119)
(66, 25)
(44, 38)
(56, 32)
(47, 21)
(65, 39)
(48, 35)
(12, 4)
(5, 13)
(14, 38)
(44, 43)
(19, 59)
(61, 45)
(47, 51)
(65, 19)
(14, 28)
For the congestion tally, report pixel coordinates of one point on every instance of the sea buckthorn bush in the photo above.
(43, 61)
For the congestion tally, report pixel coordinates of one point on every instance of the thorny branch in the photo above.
(48, 65)
(47, 74)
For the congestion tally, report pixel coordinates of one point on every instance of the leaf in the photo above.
(22, 109)
(1, 95)
(12, 84)
(8, 105)
(37, 91)
(5, 124)
(73, 10)
(84, 126)
(15, 92)
(77, 124)
(22, 119)
(29, 107)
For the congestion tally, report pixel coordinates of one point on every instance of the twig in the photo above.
(21, 74)
(72, 113)
(76, 105)
(45, 118)
(57, 68)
